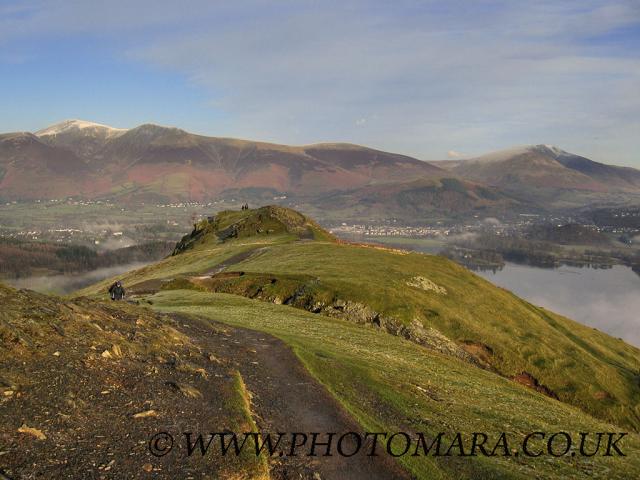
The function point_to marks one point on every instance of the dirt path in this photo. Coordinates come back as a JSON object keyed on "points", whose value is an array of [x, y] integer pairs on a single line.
{"points": [[240, 257], [286, 398]]}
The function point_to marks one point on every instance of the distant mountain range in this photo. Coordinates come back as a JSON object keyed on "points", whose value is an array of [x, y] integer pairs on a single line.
{"points": [[549, 176], [151, 163]]}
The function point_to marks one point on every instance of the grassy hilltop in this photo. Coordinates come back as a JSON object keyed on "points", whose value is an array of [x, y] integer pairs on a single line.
{"points": [[400, 341], [278, 255]]}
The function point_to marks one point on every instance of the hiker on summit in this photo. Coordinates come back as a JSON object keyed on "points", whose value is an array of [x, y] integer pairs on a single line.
{"points": [[116, 291]]}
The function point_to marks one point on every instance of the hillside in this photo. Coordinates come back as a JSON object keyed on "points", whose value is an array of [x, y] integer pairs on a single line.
{"points": [[84, 385], [130, 373], [337, 181], [265, 221], [390, 384], [426, 299], [446, 198], [31, 169], [549, 176], [342, 337]]}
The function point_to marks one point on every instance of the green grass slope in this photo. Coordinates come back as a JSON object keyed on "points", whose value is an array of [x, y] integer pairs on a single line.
{"points": [[391, 384], [581, 365], [428, 299]]}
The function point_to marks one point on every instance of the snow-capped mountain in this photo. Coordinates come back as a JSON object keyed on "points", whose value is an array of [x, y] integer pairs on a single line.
{"points": [[83, 138], [151, 162], [76, 126], [543, 166], [156, 162]]}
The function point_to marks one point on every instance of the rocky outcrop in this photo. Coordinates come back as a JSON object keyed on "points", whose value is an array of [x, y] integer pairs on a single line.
{"points": [[308, 293], [426, 285], [365, 315]]}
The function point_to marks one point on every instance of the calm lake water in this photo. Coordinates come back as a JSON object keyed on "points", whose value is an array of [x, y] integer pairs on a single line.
{"points": [[608, 299]]}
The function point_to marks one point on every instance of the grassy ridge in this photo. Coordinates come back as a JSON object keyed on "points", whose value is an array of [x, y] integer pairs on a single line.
{"points": [[270, 220], [191, 262], [583, 366], [391, 384]]}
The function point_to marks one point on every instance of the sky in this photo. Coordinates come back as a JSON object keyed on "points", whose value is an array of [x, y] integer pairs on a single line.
{"points": [[431, 79]]}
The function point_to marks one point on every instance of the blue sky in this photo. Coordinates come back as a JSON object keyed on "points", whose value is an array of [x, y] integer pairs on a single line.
{"points": [[433, 79]]}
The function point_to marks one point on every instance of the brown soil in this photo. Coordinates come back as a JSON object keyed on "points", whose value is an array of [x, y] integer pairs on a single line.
{"points": [[602, 395], [482, 352], [528, 380], [286, 398]]}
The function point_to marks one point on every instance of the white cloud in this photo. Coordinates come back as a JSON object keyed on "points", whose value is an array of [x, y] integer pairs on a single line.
{"points": [[525, 78], [480, 75]]}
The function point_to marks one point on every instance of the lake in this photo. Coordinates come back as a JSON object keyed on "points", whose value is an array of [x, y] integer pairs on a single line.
{"points": [[608, 299]]}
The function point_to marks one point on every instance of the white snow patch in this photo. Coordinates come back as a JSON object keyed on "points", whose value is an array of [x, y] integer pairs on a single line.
{"points": [[77, 125], [502, 155]]}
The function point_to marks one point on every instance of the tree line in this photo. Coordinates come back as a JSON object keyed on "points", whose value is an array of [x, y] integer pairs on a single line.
{"points": [[20, 259]]}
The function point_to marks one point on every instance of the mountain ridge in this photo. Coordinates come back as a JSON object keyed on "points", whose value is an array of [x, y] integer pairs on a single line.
{"points": [[151, 161], [494, 167], [154, 163]]}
